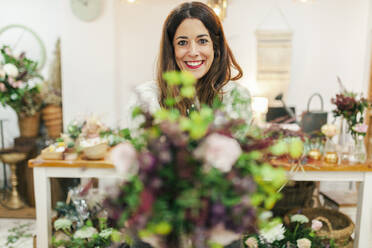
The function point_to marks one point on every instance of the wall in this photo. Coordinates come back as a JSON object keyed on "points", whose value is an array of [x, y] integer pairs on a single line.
{"points": [[329, 39], [88, 64]]}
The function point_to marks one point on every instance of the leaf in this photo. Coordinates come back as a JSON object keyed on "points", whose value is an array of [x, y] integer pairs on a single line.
{"points": [[172, 77]]}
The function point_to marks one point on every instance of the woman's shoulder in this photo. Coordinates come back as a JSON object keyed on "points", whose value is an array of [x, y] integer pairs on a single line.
{"points": [[147, 88], [234, 86]]}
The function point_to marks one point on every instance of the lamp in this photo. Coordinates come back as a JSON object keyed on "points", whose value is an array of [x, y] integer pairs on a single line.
{"points": [[219, 7], [259, 107]]}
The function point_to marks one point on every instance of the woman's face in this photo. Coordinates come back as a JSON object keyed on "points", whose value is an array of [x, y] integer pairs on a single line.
{"points": [[193, 47]]}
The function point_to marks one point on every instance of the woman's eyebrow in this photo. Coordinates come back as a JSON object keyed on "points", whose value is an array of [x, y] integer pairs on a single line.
{"points": [[181, 37], [199, 36]]}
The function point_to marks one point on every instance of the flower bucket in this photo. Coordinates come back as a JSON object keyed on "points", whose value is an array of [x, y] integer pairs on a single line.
{"points": [[29, 125], [52, 116]]}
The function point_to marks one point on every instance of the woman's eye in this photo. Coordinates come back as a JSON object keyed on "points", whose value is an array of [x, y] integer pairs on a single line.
{"points": [[203, 41], [182, 43]]}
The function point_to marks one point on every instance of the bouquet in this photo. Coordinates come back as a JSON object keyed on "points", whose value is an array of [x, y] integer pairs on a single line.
{"points": [[351, 107], [19, 83], [193, 178]]}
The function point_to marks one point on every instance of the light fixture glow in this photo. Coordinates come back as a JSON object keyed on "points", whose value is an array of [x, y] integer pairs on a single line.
{"points": [[219, 7]]}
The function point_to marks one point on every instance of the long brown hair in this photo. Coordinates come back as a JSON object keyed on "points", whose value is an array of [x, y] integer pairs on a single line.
{"points": [[219, 74]]}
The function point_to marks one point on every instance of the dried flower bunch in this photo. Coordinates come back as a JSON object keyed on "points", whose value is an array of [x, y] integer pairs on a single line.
{"points": [[19, 80], [193, 175], [52, 88]]}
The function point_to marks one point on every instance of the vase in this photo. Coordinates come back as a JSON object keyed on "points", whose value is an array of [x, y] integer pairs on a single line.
{"points": [[29, 125], [345, 142], [52, 117], [330, 152], [359, 151]]}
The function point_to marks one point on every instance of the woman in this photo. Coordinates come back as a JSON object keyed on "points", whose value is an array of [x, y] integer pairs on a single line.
{"points": [[193, 40]]}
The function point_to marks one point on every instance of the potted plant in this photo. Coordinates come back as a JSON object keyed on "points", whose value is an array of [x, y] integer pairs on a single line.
{"points": [[19, 89]]}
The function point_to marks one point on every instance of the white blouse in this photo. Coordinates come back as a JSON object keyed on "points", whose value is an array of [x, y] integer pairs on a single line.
{"points": [[147, 95]]}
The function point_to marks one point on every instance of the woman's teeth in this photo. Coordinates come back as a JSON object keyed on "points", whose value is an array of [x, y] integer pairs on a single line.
{"points": [[194, 63]]}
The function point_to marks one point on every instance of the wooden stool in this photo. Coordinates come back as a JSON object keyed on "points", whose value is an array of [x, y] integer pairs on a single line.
{"points": [[13, 201]]}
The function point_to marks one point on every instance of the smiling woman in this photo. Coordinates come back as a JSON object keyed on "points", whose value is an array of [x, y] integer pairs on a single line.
{"points": [[192, 40]]}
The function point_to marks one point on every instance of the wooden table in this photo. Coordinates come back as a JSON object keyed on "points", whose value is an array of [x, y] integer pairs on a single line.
{"points": [[316, 171]]}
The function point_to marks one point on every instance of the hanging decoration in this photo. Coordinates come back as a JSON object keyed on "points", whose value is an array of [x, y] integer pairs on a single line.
{"points": [[274, 51]]}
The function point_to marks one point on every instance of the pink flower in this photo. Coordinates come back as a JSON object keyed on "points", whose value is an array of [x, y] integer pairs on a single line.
{"points": [[2, 87], [124, 157], [316, 225], [360, 128], [16, 84], [219, 151], [251, 242]]}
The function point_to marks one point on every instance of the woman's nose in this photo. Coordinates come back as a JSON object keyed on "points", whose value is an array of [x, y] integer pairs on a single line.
{"points": [[194, 49]]}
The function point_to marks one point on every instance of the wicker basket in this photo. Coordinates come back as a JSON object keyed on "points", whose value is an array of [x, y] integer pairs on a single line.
{"points": [[52, 116], [297, 196], [29, 125], [336, 225]]}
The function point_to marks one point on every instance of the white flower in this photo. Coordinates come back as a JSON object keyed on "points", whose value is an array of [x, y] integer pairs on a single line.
{"points": [[10, 70], [299, 218], [272, 234], [85, 233], [124, 157], [316, 225], [219, 151], [62, 223], [106, 233], [303, 243], [14, 96], [329, 130], [251, 242], [265, 215]]}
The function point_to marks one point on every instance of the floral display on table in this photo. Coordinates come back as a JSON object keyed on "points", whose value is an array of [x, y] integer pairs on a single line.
{"points": [[86, 136], [82, 222], [351, 107], [19, 88], [194, 179], [299, 234]]}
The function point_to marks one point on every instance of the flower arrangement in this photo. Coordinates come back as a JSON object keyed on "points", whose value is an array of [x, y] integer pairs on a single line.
{"points": [[298, 234], [19, 80], [82, 222], [351, 107], [193, 176]]}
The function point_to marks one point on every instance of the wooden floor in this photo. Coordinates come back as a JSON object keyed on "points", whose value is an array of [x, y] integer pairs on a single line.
{"points": [[24, 213]]}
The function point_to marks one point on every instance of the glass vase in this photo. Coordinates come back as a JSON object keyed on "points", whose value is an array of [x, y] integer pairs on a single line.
{"points": [[330, 152], [359, 151], [345, 142]]}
